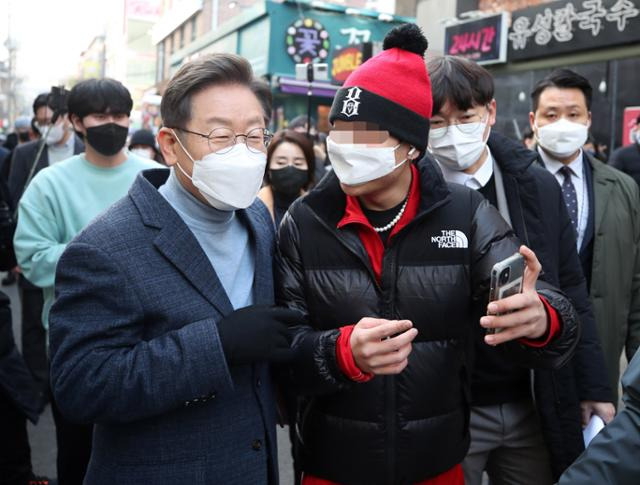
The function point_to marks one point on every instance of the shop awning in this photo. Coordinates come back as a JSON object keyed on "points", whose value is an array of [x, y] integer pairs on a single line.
{"points": [[293, 86]]}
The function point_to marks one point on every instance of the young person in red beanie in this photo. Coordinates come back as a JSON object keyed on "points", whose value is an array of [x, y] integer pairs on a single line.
{"points": [[391, 266]]}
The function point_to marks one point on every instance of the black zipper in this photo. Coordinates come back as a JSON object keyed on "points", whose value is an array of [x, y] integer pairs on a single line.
{"points": [[389, 255], [388, 294]]}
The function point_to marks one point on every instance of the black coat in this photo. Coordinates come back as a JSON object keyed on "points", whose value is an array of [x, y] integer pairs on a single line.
{"points": [[540, 219], [627, 159], [15, 379], [413, 426]]}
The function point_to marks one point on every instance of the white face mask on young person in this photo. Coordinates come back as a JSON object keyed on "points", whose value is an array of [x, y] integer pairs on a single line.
{"points": [[356, 164], [144, 152], [458, 150], [228, 181], [562, 138], [55, 135]]}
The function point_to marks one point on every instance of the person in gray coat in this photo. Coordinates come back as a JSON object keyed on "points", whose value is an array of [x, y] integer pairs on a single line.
{"points": [[164, 325], [612, 456]]}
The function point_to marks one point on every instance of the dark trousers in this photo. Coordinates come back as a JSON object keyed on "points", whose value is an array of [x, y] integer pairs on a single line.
{"points": [[15, 454], [74, 448], [34, 338]]}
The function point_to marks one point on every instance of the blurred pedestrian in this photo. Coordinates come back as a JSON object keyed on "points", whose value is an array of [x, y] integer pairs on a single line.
{"points": [[516, 435], [593, 148], [289, 172], [164, 323], [59, 202], [143, 144], [22, 127], [390, 265], [604, 208], [627, 159]]}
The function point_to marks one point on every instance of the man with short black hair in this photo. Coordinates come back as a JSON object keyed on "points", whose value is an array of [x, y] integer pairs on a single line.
{"points": [[60, 201], [59, 145], [604, 207], [39, 112], [506, 437], [164, 326]]}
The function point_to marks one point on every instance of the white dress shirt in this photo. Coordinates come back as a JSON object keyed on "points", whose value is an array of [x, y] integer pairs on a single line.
{"points": [[579, 183], [474, 181]]}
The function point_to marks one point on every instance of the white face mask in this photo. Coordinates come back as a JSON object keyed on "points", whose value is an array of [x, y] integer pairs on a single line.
{"points": [[356, 164], [457, 150], [562, 138], [228, 181], [144, 152], [56, 133]]}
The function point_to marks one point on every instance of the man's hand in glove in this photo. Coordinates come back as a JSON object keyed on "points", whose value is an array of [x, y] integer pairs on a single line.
{"points": [[257, 333]]}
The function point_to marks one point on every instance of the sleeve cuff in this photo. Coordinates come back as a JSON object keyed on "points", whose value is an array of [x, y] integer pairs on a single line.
{"points": [[345, 358], [552, 329]]}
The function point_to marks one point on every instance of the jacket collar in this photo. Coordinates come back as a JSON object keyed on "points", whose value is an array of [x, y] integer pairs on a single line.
{"points": [[521, 190], [178, 244], [512, 157], [603, 183], [78, 145], [329, 202]]}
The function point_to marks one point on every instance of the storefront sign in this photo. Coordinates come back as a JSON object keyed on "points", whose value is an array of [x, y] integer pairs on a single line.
{"points": [[630, 127], [572, 25], [307, 41], [346, 60], [483, 40]]}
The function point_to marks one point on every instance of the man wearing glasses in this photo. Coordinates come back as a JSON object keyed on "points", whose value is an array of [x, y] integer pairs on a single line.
{"points": [[164, 326]]}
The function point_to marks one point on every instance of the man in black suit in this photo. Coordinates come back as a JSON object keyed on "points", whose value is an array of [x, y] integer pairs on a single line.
{"points": [[517, 436]]}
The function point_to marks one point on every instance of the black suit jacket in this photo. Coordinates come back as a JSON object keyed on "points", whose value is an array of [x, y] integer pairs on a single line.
{"points": [[539, 217], [22, 161]]}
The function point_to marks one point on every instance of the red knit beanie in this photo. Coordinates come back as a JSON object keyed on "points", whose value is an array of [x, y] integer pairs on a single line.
{"points": [[392, 89]]}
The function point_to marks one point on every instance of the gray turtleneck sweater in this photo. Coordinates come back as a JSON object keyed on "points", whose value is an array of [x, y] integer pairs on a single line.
{"points": [[222, 236]]}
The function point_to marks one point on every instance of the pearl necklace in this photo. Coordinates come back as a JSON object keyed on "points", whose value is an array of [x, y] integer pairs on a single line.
{"points": [[395, 220]]}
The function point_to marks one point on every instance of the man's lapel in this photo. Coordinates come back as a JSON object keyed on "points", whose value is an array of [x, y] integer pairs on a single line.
{"points": [[175, 240], [178, 244], [602, 187]]}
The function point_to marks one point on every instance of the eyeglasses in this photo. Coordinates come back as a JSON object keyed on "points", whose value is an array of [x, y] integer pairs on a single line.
{"points": [[467, 125], [222, 140]]}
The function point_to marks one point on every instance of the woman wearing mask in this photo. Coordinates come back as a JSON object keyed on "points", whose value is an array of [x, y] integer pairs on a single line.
{"points": [[289, 173]]}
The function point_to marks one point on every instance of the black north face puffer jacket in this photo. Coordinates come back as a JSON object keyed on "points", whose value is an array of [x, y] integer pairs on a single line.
{"points": [[409, 427]]}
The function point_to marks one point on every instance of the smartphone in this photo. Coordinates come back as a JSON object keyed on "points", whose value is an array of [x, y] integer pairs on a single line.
{"points": [[507, 277]]}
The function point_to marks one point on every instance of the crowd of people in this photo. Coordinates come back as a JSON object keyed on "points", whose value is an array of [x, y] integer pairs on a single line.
{"points": [[184, 293]]}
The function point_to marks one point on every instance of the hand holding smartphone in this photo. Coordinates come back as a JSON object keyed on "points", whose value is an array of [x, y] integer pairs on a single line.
{"points": [[507, 277]]}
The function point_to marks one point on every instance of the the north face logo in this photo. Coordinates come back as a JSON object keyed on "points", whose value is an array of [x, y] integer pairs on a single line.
{"points": [[351, 103], [451, 239]]}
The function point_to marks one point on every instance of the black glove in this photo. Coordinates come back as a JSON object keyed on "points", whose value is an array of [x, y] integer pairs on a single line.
{"points": [[257, 333]]}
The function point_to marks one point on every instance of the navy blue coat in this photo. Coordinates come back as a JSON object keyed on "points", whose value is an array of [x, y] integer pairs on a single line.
{"points": [[135, 350]]}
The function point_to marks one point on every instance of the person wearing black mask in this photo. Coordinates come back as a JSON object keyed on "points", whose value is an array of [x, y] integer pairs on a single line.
{"points": [[289, 172], [60, 201]]}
